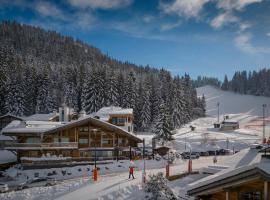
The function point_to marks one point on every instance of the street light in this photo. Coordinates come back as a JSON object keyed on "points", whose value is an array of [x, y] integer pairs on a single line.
{"points": [[264, 106], [218, 111], [95, 169]]}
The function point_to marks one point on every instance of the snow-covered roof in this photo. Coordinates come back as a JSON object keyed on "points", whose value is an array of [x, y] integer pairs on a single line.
{"points": [[36, 127], [41, 117], [10, 115], [245, 160], [105, 112]]}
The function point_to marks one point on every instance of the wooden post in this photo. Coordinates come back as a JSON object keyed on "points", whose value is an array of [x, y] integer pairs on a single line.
{"points": [[89, 144], [227, 195], [265, 192], [101, 138]]}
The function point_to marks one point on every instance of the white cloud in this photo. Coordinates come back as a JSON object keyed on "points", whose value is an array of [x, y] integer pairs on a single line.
{"points": [[268, 34], [100, 4], [243, 42], [186, 8], [49, 10], [235, 4], [244, 26], [148, 18], [170, 26], [223, 19]]}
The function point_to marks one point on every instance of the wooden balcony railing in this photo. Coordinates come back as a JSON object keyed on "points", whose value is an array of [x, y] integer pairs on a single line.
{"points": [[13, 145]]}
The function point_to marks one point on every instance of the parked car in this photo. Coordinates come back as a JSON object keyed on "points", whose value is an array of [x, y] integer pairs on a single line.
{"points": [[3, 187], [225, 152], [204, 153], [37, 182], [192, 155]]}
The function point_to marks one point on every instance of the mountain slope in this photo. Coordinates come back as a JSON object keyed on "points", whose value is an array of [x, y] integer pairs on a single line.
{"points": [[232, 102]]}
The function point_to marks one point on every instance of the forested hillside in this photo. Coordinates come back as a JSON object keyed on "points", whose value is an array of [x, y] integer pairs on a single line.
{"points": [[40, 70], [255, 82], [243, 82]]}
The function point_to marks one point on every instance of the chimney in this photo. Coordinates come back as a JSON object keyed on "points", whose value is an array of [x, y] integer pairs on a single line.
{"points": [[82, 113], [64, 112]]}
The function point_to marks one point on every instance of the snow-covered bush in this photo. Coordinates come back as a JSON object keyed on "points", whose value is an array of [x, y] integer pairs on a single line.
{"points": [[156, 188]]}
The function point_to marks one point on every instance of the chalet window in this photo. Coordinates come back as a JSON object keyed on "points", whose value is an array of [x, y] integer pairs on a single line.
{"points": [[83, 141], [64, 139], [121, 120], [114, 120], [107, 141], [66, 153], [33, 154], [33, 140], [55, 140], [83, 129], [120, 140], [129, 129]]}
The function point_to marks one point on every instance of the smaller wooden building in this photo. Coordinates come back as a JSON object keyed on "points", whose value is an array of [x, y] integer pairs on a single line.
{"points": [[248, 180]]}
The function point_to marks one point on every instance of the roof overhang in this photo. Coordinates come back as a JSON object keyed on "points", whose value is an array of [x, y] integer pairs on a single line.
{"points": [[230, 181], [91, 120]]}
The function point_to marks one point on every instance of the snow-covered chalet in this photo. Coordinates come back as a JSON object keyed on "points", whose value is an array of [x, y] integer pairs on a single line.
{"points": [[108, 134]]}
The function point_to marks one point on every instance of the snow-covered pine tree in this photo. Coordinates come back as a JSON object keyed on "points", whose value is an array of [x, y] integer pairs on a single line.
{"points": [[138, 109], [3, 79], [146, 107], [70, 86], [225, 84], [130, 91], [15, 97], [120, 89], [94, 91], [162, 129], [178, 104], [111, 90], [45, 94], [155, 99], [29, 90], [156, 188]]}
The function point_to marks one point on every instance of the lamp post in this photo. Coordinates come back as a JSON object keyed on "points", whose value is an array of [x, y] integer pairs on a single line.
{"points": [[144, 173], [95, 131], [95, 172], [264, 106], [218, 111]]}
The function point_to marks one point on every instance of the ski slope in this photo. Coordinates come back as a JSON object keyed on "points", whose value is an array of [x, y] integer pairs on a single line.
{"points": [[232, 102]]}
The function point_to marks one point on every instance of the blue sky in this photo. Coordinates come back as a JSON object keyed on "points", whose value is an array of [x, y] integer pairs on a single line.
{"points": [[200, 37]]}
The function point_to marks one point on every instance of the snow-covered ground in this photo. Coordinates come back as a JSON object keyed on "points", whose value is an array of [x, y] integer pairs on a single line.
{"points": [[113, 183], [232, 102]]}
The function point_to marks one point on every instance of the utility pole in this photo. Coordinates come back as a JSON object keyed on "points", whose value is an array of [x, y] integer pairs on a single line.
{"points": [[144, 173], [264, 106], [218, 111]]}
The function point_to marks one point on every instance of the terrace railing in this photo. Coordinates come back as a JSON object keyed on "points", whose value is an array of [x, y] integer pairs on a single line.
{"points": [[14, 145]]}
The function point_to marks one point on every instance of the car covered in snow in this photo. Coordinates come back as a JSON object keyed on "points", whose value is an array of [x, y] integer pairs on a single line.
{"points": [[3, 187], [37, 182]]}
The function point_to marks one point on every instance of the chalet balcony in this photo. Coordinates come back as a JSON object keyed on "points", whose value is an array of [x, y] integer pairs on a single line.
{"points": [[13, 145]]}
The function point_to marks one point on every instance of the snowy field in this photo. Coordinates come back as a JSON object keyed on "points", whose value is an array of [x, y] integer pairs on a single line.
{"points": [[232, 102]]}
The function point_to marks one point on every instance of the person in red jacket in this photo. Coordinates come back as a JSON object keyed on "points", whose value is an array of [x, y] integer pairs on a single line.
{"points": [[131, 172]]}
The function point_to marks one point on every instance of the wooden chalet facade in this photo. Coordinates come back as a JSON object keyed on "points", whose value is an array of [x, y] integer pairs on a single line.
{"points": [[79, 140]]}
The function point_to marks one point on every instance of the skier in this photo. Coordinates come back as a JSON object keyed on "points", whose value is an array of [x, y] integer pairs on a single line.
{"points": [[131, 171]]}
